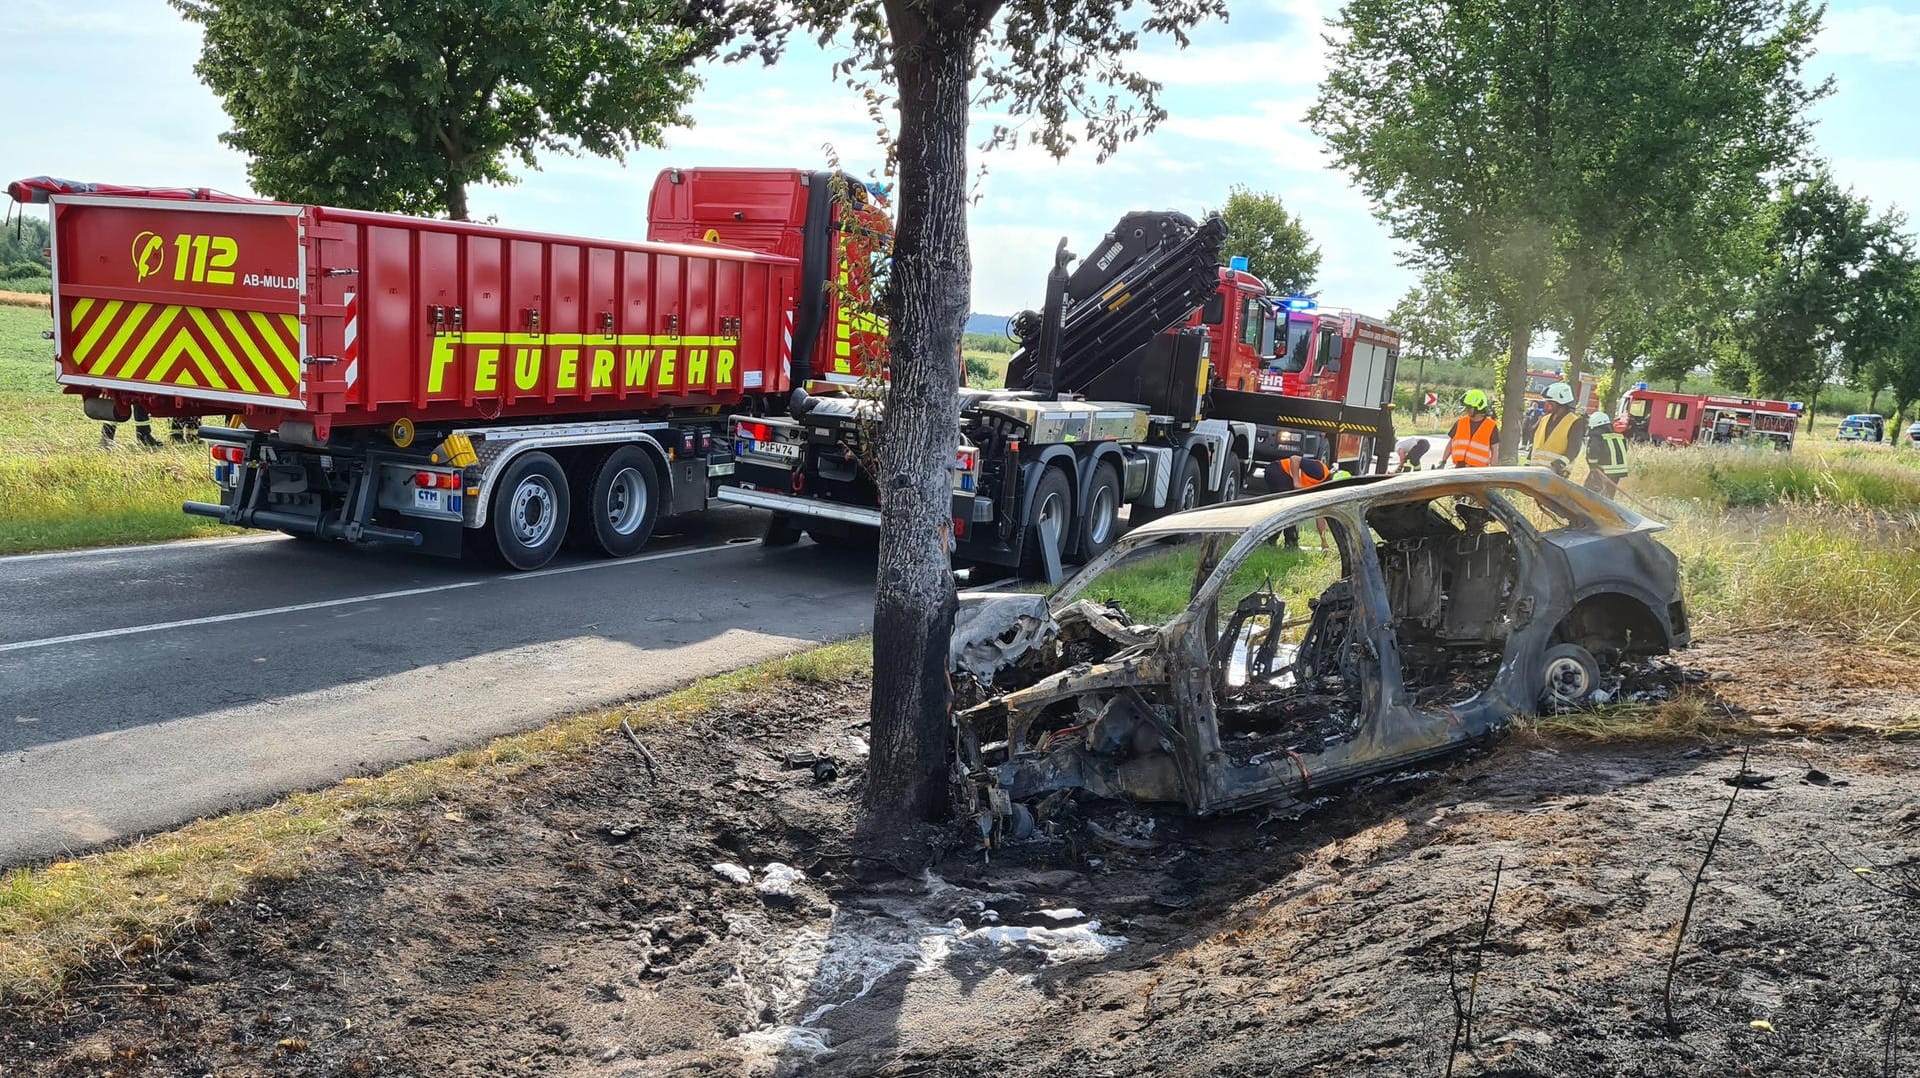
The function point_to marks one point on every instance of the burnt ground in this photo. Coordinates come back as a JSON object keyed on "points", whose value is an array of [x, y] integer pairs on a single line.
{"points": [[573, 922]]}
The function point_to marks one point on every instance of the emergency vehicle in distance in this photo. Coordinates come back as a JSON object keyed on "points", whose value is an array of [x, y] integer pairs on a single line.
{"points": [[1649, 415], [1586, 397]]}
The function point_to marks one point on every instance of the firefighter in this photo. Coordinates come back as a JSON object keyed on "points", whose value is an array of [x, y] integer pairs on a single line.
{"points": [[142, 430], [1295, 472], [1412, 451], [1606, 456], [1554, 441], [1470, 442]]}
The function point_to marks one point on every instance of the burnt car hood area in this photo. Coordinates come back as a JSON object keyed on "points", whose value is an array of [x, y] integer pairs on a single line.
{"points": [[1260, 652]]}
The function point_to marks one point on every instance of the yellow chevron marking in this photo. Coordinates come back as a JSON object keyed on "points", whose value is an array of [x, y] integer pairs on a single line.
{"points": [[239, 335], [80, 308], [227, 359], [277, 343], [84, 350], [132, 322], [184, 345], [147, 340]]}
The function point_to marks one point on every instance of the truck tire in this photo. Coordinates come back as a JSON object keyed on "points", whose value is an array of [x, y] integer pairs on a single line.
{"points": [[1100, 518], [1052, 501], [1229, 490], [620, 499], [530, 510], [1189, 489]]}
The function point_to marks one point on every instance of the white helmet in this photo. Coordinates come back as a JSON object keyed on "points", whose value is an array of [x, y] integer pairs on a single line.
{"points": [[1560, 393], [1598, 420]]}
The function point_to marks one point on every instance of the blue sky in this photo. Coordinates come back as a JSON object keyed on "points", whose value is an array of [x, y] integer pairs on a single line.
{"points": [[104, 90]]}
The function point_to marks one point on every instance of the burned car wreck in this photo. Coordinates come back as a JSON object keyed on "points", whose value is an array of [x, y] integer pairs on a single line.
{"points": [[1259, 652]]}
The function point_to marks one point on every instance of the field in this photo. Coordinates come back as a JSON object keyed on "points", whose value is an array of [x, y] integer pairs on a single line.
{"points": [[60, 490]]}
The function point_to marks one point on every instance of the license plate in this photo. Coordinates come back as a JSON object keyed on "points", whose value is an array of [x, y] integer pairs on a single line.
{"points": [[783, 450], [426, 498]]}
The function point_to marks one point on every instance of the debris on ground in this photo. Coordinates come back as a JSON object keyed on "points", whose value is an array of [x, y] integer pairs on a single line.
{"points": [[1319, 939]]}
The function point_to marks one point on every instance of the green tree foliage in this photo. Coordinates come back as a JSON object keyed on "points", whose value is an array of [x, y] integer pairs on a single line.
{"points": [[1826, 297], [1434, 322], [401, 104], [1533, 149], [23, 247], [1059, 69], [1276, 244]]}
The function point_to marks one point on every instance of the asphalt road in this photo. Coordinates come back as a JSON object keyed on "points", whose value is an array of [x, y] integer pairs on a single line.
{"points": [[143, 687]]}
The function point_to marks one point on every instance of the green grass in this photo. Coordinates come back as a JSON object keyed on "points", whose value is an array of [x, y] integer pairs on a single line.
{"points": [[1870, 478], [128, 902], [60, 489], [1159, 585]]}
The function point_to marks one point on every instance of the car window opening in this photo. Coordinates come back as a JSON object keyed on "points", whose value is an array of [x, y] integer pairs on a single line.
{"points": [[1451, 573]]}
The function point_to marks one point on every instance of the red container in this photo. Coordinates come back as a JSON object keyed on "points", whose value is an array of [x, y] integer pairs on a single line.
{"points": [[345, 318]]}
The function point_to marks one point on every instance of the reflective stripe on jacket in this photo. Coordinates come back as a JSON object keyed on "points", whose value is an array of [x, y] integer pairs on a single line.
{"points": [[1554, 444], [1473, 442], [1607, 451]]}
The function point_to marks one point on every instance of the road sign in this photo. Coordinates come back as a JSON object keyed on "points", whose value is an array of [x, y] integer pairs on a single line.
{"points": [[1430, 400]]}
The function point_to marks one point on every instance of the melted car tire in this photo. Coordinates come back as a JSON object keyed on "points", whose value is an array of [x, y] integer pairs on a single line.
{"points": [[1568, 675]]}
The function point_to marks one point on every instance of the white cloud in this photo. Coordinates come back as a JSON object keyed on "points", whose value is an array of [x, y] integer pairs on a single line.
{"points": [[1876, 33], [1885, 181]]}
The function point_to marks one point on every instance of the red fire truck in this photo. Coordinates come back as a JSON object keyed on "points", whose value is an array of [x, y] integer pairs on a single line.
{"points": [[1650, 415], [1286, 347], [445, 384]]}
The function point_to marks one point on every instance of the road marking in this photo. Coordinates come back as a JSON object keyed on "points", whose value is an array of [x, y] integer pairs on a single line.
{"points": [[138, 548], [323, 604]]}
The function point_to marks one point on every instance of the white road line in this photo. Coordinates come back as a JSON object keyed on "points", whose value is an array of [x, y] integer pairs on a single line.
{"points": [[295, 608], [138, 548]]}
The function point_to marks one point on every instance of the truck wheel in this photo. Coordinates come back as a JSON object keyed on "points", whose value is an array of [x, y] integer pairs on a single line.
{"points": [[1100, 522], [529, 512], [1052, 507], [622, 502], [781, 531], [1229, 480], [1187, 491]]}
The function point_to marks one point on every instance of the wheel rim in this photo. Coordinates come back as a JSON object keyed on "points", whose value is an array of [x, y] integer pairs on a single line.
{"points": [[1053, 510], [1100, 522], [626, 501], [535, 504], [1230, 486], [1567, 680], [1190, 493]]}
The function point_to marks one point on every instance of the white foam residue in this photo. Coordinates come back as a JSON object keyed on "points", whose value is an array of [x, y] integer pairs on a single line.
{"points": [[1066, 914], [736, 873], [781, 1044], [1053, 944], [778, 879]]}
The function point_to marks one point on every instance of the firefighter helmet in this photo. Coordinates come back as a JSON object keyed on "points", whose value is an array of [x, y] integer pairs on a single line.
{"points": [[1474, 399], [1560, 393], [1598, 420]]}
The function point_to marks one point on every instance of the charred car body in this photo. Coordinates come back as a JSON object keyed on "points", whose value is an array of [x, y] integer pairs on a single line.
{"points": [[1207, 660]]}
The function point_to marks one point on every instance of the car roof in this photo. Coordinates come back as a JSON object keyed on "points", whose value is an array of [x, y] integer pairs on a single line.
{"points": [[1254, 512]]}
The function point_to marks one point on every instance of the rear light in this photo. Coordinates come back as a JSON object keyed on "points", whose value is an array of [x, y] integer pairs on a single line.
{"points": [[759, 432], [437, 480], [959, 527], [231, 454]]}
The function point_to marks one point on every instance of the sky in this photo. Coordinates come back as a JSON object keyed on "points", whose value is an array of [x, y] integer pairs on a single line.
{"points": [[104, 90]]}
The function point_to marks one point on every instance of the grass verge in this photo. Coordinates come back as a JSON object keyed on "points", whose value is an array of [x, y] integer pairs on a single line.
{"points": [[130, 901], [1695, 715]]}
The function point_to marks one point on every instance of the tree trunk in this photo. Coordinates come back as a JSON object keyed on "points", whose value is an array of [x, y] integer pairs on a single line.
{"points": [[1873, 402], [1579, 337], [456, 198], [1513, 402], [1622, 365], [914, 593]]}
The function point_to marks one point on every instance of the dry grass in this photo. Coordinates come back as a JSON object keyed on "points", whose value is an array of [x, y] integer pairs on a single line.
{"points": [[125, 902], [37, 300]]}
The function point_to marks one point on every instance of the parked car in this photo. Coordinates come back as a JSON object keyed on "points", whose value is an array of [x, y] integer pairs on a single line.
{"points": [[1913, 433], [1206, 660], [1863, 428]]}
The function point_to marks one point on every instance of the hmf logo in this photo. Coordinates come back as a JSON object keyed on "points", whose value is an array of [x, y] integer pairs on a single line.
{"points": [[201, 259]]}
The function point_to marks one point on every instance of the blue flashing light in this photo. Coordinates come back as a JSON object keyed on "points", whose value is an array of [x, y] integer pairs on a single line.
{"points": [[1795, 406], [1639, 385], [1298, 302], [1238, 262]]}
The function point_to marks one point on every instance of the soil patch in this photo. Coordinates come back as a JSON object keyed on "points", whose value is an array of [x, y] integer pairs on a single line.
{"points": [[590, 918]]}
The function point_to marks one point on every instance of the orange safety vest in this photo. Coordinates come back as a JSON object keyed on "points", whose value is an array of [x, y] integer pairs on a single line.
{"points": [[1473, 443], [1302, 481]]}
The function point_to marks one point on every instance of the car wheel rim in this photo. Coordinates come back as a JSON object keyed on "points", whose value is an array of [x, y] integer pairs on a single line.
{"points": [[534, 503], [1567, 680], [626, 501], [1100, 523]]}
